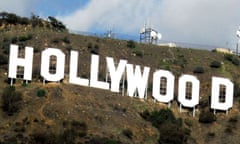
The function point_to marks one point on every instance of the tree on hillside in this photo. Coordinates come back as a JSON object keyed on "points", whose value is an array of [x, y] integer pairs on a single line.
{"points": [[36, 21], [9, 18], [56, 24]]}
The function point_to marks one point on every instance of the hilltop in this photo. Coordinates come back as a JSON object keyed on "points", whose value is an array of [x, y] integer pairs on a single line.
{"points": [[58, 112]]}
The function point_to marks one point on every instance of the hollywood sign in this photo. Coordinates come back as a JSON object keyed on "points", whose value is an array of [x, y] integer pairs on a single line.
{"points": [[137, 80]]}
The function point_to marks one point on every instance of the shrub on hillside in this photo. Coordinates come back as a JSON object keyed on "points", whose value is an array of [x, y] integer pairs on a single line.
{"points": [[103, 140], [236, 89], [14, 40], [236, 61], [233, 59], [131, 44], [170, 128], [89, 45], [11, 100], [55, 40], [199, 70], [66, 40], [57, 25], [43, 138], [173, 134], [3, 59], [207, 117], [41, 93], [25, 37], [128, 133], [138, 53], [93, 50], [5, 47], [73, 130], [215, 64]]}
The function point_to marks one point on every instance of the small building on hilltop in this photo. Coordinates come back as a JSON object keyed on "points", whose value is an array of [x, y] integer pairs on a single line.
{"points": [[224, 50]]}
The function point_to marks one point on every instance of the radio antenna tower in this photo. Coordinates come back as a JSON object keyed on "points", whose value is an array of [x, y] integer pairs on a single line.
{"points": [[149, 35], [238, 35], [109, 33]]}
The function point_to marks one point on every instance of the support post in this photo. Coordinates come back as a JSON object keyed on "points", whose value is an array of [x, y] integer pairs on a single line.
{"points": [[11, 82], [180, 109], [194, 111]]}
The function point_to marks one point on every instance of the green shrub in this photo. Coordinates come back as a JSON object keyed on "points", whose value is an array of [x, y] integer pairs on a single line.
{"points": [[138, 53], [235, 60], [233, 119], [25, 37], [3, 59], [103, 140], [173, 134], [41, 93], [11, 100], [56, 24], [14, 40], [228, 57], [131, 44], [66, 40], [55, 40], [211, 134], [215, 64], [236, 89], [79, 127], [159, 117], [198, 70], [128, 133], [93, 50], [89, 45], [43, 138], [188, 122], [207, 117], [72, 130], [96, 46], [5, 47], [171, 129]]}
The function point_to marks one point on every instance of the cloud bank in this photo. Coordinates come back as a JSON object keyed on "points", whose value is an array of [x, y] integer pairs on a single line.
{"points": [[200, 21], [211, 22], [20, 7]]}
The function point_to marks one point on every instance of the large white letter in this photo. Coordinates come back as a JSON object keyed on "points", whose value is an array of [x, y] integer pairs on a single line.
{"points": [[194, 100], [94, 74], [74, 70], [137, 81], [115, 73], [168, 96], [26, 62], [228, 94], [45, 64]]}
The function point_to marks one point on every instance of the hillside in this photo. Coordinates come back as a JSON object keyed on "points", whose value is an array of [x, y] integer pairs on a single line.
{"points": [[63, 112]]}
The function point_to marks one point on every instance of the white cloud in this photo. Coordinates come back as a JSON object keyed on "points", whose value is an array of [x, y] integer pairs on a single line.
{"points": [[200, 21], [19, 7]]}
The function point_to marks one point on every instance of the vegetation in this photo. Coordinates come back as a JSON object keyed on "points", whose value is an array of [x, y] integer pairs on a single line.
{"points": [[170, 128], [3, 59], [207, 117], [138, 53], [215, 64], [199, 70], [11, 100], [34, 21], [128, 133], [233, 59], [103, 140], [41, 93], [131, 44]]}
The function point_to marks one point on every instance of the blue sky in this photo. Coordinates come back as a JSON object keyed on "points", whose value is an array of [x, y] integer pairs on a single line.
{"points": [[206, 22], [58, 7]]}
